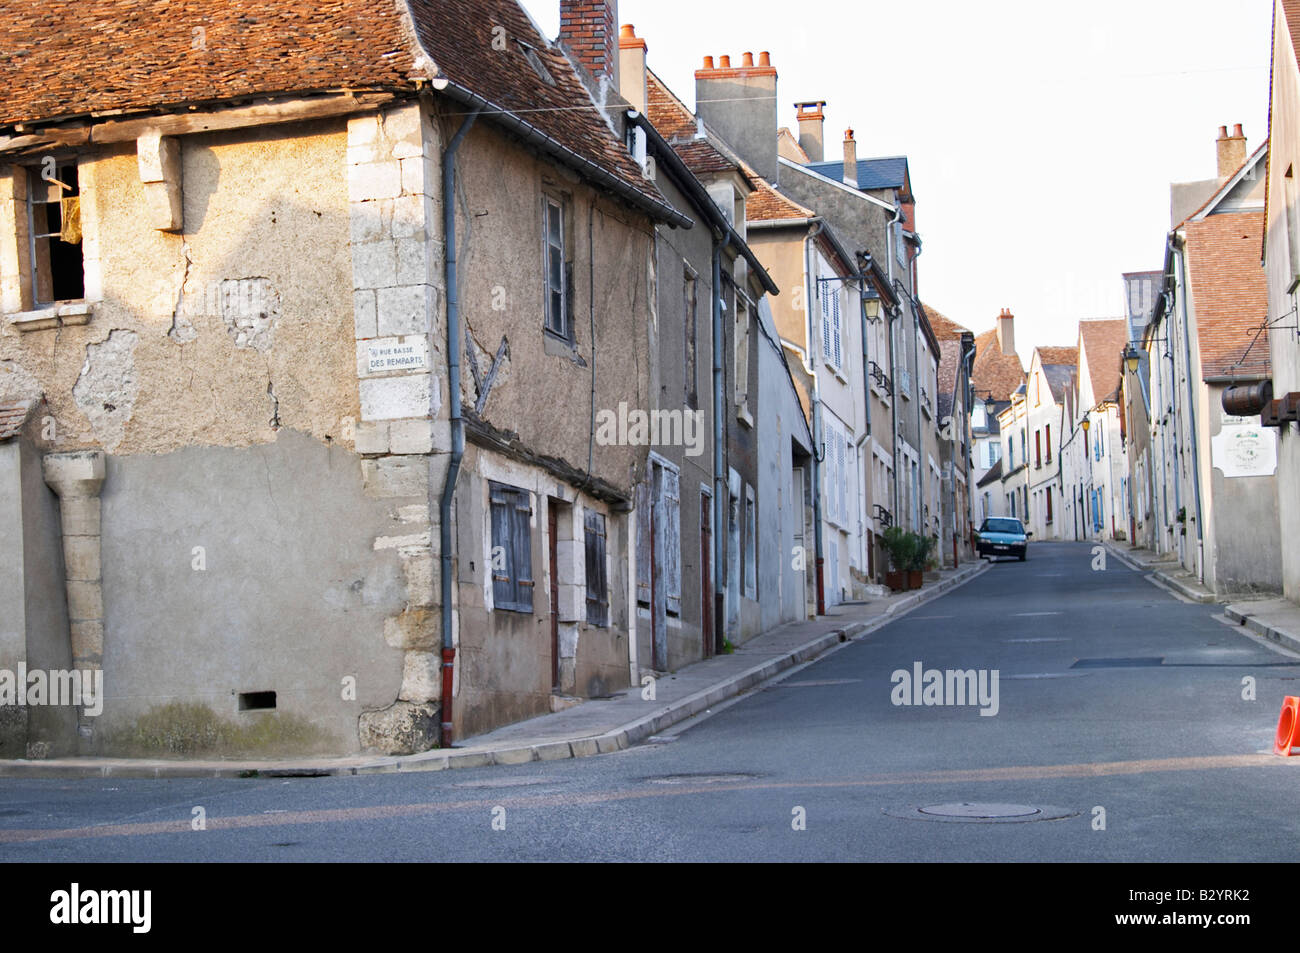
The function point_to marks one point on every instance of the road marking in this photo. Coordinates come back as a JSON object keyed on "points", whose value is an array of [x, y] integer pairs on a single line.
{"points": [[392, 811], [1023, 615], [1013, 641]]}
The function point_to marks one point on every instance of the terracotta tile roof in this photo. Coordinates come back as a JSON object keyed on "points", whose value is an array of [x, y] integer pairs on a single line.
{"points": [[703, 159], [67, 58], [459, 35], [667, 113], [949, 364], [13, 414], [993, 370], [1229, 293], [1103, 341], [1058, 355], [944, 327], [1292, 10], [766, 204]]}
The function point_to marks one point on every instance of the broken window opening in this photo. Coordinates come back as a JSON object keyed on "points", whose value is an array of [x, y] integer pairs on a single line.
{"points": [[54, 225]]}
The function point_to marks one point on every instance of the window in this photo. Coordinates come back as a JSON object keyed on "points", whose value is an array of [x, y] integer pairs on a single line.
{"points": [[559, 273], [995, 452], [742, 353], [54, 224], [690, 301], [831, 327], [512, 553], [1038, 449], [899, 251], [751, 544], [1049, 504], [597, 581], [1049, 443]]}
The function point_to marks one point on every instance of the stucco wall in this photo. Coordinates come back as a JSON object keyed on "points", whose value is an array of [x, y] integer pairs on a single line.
{"points": [[1284, 345]]}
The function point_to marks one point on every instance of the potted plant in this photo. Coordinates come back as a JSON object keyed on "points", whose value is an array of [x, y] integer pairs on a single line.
{"points": [[922, 547], [900, 545]]}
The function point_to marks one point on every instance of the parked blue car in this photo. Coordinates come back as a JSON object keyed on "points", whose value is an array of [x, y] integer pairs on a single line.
{"points": [[1002, 536]]}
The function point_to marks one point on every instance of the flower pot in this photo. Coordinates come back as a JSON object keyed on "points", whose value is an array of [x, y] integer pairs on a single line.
{"points": [[915, 578], [896, 581]]}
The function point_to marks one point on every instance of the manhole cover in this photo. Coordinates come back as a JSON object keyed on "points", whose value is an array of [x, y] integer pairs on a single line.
{"points": [[502, 783], [972, 812], [701, 778], [983, 812]]}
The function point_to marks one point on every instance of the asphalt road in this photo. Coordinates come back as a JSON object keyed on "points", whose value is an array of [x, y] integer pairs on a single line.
{"points": [[1118, 707]]}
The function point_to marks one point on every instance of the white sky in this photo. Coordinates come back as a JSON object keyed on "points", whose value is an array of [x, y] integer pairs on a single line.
{"points": [[1041, 138]]}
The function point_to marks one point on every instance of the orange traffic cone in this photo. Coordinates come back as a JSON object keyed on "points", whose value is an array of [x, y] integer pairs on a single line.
{"points": [[1288, 727]]}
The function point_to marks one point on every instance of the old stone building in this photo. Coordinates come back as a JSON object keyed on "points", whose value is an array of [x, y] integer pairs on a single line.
{"points": [[251, 350]]}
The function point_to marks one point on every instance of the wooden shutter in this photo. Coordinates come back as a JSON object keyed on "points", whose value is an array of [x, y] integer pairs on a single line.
{"points": [[644, 543], [826, 321], [672, 541], [522, 552], [835, 317], [503, 584], [597, 584]]}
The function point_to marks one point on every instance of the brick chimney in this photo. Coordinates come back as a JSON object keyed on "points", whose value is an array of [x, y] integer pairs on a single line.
{"points": [[1231, 150], [589, 29], [811, 118], [739, 103], [631, 67], [850, 159], [1007, 331]]}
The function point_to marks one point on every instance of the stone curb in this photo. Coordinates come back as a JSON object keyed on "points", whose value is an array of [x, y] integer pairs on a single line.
{"points": [[616, 739], [1165, 579], [1288, 640]]}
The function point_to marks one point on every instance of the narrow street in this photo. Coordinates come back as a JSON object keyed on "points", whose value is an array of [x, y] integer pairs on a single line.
{"points": [[1117, 706]]}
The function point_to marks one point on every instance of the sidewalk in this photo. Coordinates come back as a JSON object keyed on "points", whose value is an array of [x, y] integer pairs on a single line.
{"points": [[1275, 619], [594, 727], [1166, 569]]}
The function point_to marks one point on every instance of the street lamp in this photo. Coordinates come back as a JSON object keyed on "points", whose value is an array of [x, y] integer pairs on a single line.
{"points": [[1085, 424], [871, 307], [1132, 358]]}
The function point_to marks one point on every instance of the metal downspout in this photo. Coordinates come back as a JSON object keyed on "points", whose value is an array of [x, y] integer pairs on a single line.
{"points": [[721, 488], [457, 421]]}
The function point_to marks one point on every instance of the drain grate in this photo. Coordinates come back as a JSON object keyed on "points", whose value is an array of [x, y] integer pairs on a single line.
{"points": [[1150, 661], [976, 812]]}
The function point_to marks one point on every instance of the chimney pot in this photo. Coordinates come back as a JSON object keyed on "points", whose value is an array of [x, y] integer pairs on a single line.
{"points": [[708, 62], [726, 62], [811, 119], [747, 60], [627, 32], [765, 58], [1231, 151]]}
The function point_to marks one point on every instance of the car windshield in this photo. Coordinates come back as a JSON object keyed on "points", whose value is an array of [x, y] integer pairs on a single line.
{"points": [[1002, 526]]}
